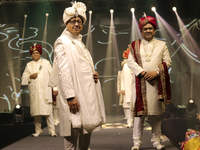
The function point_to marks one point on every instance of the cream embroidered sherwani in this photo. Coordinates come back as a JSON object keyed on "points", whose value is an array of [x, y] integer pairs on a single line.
{"points": [[119, 88], [155, 108], [126, 83], [75, 77], [40, 93], [160, 54]]}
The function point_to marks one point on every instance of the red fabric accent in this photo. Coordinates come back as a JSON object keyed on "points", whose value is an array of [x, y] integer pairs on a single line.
{"points": [[53, 97], [167, 83], [148, 19], [36, 48], [139, 100]]}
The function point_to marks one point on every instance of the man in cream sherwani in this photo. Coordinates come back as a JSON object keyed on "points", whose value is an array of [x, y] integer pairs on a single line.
{"points": [[36, 76], [149, 60], [126, 83], [81, 104]]}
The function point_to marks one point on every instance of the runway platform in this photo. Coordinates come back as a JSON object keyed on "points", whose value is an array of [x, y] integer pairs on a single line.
{"points": [[114, 136]]}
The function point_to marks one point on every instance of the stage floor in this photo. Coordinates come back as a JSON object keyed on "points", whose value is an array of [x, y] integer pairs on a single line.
{"points": [[114, 136]]}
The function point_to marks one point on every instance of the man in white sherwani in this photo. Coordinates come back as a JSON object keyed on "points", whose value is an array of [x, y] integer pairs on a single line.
{"points": [[81, 104], [126, 84], [149, 60], [119, 92], [53, 82], [36, 76]]}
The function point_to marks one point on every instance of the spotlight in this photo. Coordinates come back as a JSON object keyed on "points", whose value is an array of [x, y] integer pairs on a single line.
{"points": [[111, 6], [153, 9], [132, 10], [132, 6], [174, 6], [174, 9], [191, 101], [90, 12], [18, 113], [47, 14], [90, 8], [18, 109], [111, 11]]}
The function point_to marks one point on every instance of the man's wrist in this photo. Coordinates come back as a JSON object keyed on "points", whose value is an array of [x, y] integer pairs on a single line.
{"points": [[71, 98], [158, 73]]}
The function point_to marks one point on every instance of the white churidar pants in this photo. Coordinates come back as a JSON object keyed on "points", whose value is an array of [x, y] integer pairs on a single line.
{"points": [[128, 115], [138, 129], [49, 120]]}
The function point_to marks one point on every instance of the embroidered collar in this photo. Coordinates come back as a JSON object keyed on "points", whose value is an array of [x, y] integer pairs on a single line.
{"points": [[147, 42]]}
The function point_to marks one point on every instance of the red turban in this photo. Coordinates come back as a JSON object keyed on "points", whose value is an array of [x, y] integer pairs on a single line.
{"points": [[147, 19], [36, 48]]}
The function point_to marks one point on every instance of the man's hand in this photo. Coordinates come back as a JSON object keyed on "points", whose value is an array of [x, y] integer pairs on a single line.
{"points": [[150, 76], [123, 92], [33, 76], [96, 76], [118, 93], [73, 106], [55, 93]]}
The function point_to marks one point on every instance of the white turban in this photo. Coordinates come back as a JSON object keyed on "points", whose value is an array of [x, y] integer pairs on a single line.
{"points": [[77, 9]]}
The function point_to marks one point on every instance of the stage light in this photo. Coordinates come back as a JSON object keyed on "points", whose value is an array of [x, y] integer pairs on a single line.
{"points": [[18, 106], [90, 12], [132, 6], [111, 6], [153, 9], [191, 101], [132, 9], [47, 14], [111, 11], [18, 109], [18, 113], [174, 6]]}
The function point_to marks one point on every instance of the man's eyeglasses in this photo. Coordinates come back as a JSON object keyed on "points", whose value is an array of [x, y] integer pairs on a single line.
{"points": [[73, 22]]}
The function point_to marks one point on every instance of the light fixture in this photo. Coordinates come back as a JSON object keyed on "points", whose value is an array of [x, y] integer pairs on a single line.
{"points": [[111, 11], [90, 12], [132, 10], [174, 6], [153, 5], [153, 9], [18, 113], [47, 14], [132, 6], [111, 7]]}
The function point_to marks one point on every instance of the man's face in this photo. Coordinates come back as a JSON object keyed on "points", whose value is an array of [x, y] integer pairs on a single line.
{"points": [[36, 55], [75, 26], [148, 32]]}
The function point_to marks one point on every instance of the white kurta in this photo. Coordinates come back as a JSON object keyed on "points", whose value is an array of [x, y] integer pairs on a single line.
{"points": [[119, 88], [160, 54], [126, 83], [40, 93], [75, 75]]}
